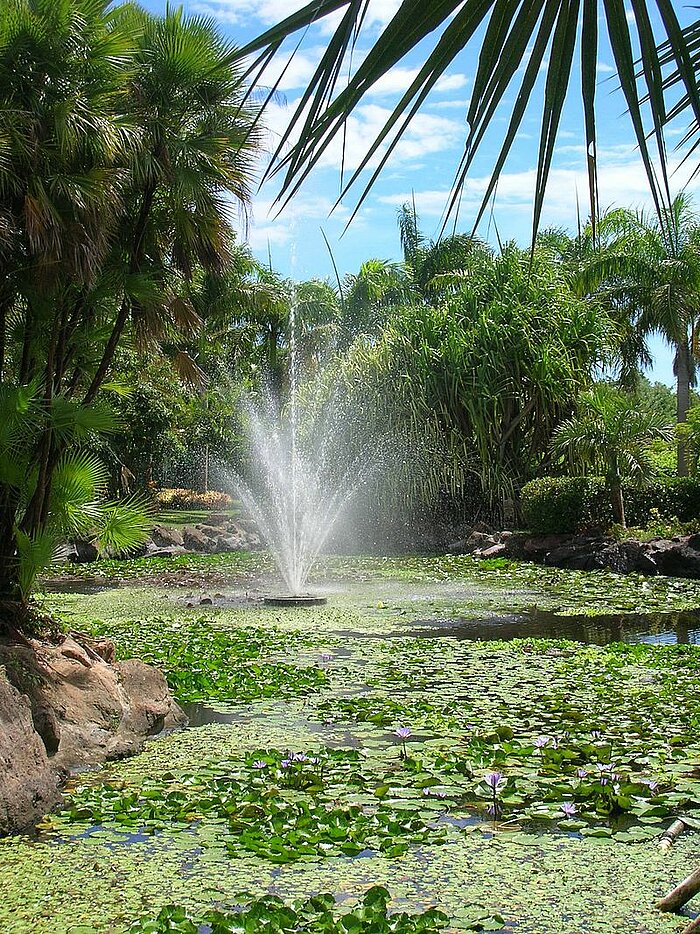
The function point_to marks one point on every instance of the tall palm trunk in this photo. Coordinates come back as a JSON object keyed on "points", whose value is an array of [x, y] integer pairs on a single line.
{"points": [[682, 398], [618, 502]]}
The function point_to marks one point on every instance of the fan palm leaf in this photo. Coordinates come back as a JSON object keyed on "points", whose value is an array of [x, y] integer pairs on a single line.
{"points": [[518, 35]]}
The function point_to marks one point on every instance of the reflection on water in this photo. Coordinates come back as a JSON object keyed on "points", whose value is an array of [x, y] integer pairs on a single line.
{"points": [[653, 628]]}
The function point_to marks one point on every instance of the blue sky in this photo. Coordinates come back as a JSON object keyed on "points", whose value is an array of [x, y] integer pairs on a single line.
{"points": [[424, 163]]}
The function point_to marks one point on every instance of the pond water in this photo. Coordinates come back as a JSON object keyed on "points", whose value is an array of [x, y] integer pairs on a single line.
{"points": [[532, 785], [678, 628]]}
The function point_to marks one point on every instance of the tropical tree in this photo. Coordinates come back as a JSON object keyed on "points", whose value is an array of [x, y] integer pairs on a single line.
{"points": [[517, 38], [121, 136], [648, 271], [483, 378], [611, 434]]}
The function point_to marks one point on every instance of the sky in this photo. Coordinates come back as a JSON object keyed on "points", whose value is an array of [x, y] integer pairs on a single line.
{"points": [[423, 166]]}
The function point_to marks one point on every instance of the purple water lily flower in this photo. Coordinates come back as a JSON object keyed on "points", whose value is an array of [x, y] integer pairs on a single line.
{"points": [[651, 784], [259, 764], [493, 779], [299, 757], [403, 732], [568, 808], [582, 773], [542, 741], [326, 657], [285, 763], [429, 792], [596, 734]]}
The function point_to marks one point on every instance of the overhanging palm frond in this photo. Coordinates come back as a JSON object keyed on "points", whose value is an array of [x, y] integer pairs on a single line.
{"points": [[124, 525], [519, 36]]}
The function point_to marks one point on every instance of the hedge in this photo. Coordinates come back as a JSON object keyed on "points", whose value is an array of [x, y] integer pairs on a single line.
{"points": [[558, 505], [191, 499]]}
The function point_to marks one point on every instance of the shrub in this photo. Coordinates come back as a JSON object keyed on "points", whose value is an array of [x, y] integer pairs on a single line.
{"points": [[559, 505], [191, 499]]}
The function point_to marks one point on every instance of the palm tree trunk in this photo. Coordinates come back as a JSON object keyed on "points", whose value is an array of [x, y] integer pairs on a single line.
{"points": [[682, 399], [618, 503]]}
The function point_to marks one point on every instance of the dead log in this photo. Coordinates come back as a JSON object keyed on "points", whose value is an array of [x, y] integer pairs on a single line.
{"points": [[693, 927], [668, 837], [682, 893]]}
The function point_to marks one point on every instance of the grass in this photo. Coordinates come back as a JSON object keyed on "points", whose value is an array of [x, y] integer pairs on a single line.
{"points": [[178, 518]]}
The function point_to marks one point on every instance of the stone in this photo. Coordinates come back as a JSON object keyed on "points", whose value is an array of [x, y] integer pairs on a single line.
{"points": [[28, 783], [195, 539], [82, 710], [83, 552], [150, 707], [499, 550], [676, 559], [164, 537], [170, 552]]}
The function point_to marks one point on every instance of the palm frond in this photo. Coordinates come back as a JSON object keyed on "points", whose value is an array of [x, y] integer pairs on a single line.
{"points": [[518, 36]]}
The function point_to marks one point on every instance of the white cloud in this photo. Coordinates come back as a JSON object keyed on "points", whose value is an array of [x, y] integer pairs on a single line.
{"points": [[425, 135], [399, 79], [622, 183], [269, 12], [265, 227]]}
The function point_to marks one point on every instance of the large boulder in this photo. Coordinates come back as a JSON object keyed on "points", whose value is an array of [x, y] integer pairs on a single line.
{"points": [[28, 783], [675, 558], [195, 539], [165, 537], [75, 711]]}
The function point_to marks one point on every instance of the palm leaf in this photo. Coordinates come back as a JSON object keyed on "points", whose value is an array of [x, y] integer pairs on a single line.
{"points": [[124, 525], [510, 25]]}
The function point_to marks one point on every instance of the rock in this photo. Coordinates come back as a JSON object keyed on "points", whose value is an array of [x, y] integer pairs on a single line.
{"points": [[206, 601], [151, 708], [165, 537], [543, 544], [676, 559], [28, 784], [493, 551], [170, 552], [48, 727], [83, 551], [84, 710], [195, 539], [230, 543]]}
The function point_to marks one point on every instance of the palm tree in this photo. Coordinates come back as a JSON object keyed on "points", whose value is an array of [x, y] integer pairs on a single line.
{"points": [[517, 38], [648, 269], [123, 137], [610, 433]]}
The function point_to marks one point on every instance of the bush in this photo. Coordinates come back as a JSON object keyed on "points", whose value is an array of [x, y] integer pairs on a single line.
{"points": [[559, 505], [191, 499]]}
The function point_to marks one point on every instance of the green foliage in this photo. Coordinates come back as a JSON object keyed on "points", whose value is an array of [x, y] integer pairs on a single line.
{"points": [[124, 135], [558, 505], [477, 384], [316, 915], [201, 661]]}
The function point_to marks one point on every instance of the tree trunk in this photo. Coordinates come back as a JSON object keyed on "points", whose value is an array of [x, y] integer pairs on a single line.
{"points": [[11, 602], [618, 503], [682, 399]]}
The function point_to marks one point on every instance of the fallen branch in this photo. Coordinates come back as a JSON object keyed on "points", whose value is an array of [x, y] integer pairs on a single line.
{"points": [[669, 835], [681, 894], [693, 927]]}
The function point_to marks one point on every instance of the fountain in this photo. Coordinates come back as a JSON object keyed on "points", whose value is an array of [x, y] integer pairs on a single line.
{"points": [[295, 497]]}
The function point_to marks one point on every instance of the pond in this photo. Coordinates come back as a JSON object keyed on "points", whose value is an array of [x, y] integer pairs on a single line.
{"points": [[501, 742]]}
